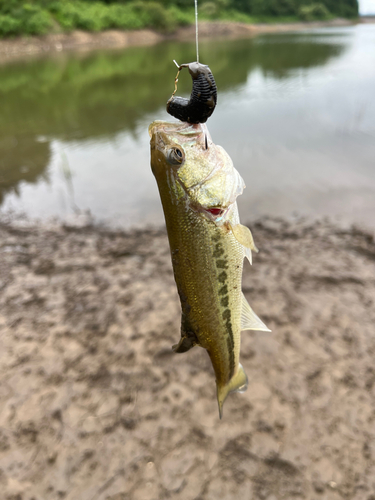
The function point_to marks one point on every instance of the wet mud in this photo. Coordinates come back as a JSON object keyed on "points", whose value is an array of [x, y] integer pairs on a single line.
{"points": [[94, 405]]}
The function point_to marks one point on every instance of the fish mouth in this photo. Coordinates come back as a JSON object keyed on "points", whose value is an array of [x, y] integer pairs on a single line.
{"points": [[155, 125], [215, 214], [215, 211], [161, 126], [187, 132], [158, 135]]}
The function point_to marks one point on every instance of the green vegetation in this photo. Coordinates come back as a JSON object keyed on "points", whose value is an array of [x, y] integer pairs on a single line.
{"points": [[38, 17], [23, 18], [313, 12]]}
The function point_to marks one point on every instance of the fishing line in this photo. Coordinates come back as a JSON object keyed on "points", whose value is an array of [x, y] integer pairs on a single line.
{"points": [[203, 96], [196, 28]]}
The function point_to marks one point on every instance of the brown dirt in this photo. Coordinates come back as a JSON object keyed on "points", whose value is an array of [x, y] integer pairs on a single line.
{"points": [[95, 406], [22, 47]]}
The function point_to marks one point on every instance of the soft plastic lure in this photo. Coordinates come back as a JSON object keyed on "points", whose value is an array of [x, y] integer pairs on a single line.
{"points": [[203, 96]]}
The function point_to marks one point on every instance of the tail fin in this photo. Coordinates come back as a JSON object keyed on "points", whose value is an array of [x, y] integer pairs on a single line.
{"points": [[238, 383]]}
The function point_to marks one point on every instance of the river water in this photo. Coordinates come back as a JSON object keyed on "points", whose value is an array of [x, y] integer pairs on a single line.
{"points": [[296, 113]]}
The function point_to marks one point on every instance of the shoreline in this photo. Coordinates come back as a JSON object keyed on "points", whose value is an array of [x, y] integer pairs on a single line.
{"points": [[23, 47], [91, 388]]}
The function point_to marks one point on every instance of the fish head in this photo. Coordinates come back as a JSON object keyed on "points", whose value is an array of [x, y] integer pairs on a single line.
{"points": [[185, 161]]}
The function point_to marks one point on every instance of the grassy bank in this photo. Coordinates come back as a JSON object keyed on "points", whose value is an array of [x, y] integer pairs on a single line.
{"points": [[39, 17]]}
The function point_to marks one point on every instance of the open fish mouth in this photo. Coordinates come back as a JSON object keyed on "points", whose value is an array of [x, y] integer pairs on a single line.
{"points": [[215, 214]]}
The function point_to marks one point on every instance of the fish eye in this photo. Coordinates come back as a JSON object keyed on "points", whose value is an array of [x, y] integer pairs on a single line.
{"points": [[175, 156]]}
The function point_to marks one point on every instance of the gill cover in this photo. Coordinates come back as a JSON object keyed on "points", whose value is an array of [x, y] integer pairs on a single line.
{"points": [[207, 174]]}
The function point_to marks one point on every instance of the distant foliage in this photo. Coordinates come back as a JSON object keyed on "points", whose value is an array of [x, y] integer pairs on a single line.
{"points": [[96, 16], [284, 8], [313, 12], [210, 9], [23, 18], [155, 15], [273, 7], [37, 17], [181, 17]]}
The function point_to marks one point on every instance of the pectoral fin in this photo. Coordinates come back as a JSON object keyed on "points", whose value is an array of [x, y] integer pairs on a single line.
{"points": [[243, 235], [249, 320]]}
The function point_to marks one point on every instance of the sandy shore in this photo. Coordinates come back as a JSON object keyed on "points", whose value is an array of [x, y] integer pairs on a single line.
{"points": [[95, 406], [79, 40]]}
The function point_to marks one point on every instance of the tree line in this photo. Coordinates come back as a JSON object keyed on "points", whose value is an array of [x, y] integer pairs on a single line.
{"points": [[36, 17]]}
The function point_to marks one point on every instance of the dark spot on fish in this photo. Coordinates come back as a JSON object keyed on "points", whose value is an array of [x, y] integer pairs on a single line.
{"points": [[231, 356], [224, 301], [226, 314], [222, 277], [219, 250], [216, 237], [230, 340], [229, 344], [222, 264]]}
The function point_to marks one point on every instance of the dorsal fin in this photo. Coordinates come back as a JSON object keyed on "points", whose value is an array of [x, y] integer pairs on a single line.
{"points": [[249, 320], [243, 235]]}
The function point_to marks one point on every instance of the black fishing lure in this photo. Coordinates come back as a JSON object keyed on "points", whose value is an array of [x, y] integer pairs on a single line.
{"points": [[203, 96]]}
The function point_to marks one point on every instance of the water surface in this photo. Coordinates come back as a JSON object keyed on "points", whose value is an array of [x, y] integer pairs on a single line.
{"points": [[295, 112]]}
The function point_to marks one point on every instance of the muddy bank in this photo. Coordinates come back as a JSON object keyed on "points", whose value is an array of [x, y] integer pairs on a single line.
{"points": [[95, 406], [80, 40]]}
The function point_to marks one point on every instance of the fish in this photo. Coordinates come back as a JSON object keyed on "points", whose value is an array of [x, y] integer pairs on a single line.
{"points": [[198, 187]]}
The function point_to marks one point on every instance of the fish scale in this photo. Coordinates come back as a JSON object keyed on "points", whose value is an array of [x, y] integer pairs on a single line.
{"points": [[200, 277]]}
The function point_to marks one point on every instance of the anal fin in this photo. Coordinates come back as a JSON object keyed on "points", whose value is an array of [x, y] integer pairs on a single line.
{"points": [[249, 320]]}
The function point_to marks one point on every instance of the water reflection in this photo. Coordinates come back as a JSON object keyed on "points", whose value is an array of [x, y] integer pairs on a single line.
{"points": [[88, 115], [22, 158], [98, 95]]}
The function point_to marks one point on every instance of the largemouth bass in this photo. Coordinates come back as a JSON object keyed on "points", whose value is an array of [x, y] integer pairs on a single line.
{"points": [[198, 186]]}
